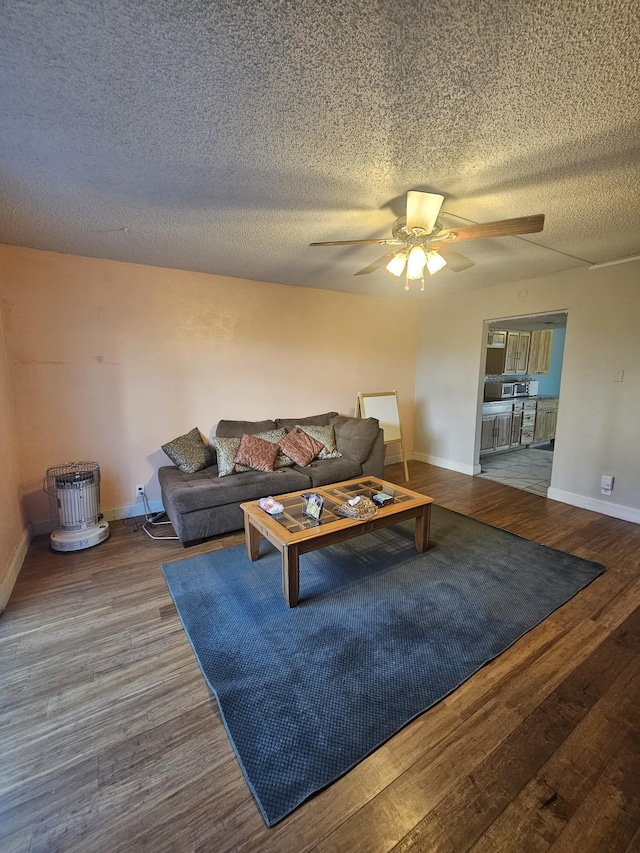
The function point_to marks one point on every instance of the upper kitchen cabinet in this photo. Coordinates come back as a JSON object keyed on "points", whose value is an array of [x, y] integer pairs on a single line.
{"points": [[510, 352], [511, 357], [540, 351]]}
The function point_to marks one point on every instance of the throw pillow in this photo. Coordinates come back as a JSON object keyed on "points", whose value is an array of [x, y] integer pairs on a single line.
{"points": [[189, 452], [355, 436], [325, 435], [275, 436], [256, 453], [226, 449], [302, 448]]}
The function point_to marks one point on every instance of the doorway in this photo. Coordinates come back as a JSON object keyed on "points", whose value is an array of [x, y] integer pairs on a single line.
{"points": [[517, 434]]}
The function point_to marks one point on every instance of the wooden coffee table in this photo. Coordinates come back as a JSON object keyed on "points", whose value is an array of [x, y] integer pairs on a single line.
{"points": [[294, 534]]}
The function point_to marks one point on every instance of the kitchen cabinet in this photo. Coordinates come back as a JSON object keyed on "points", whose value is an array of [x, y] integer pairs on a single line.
{"points": [[546, 419], [507, 425], [540, 351], [516, 425], [528, 421], [496, 431], [512, 358], [497, 339], [517, 352]]}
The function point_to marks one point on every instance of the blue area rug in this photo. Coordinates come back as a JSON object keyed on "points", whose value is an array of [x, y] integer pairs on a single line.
{"points": [[381, 633]]}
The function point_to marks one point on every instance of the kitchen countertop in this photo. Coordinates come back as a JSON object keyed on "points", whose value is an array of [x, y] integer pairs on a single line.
{"points": [[510, 400]]}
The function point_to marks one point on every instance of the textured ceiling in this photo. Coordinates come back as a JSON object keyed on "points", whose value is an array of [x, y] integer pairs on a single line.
{"points": [[226, 136]]}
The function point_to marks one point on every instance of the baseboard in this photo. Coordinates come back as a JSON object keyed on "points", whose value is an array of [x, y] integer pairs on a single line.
{"points": [[113, 514], [132, 510], [393, 458], [626, 513], [449, 464], [13, 569]]}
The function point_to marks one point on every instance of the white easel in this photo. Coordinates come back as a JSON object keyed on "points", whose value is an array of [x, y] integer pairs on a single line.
{"points": [[383, 405]]}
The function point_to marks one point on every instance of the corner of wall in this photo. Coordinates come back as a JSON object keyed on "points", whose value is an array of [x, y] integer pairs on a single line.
{"points": [[13, 569]]}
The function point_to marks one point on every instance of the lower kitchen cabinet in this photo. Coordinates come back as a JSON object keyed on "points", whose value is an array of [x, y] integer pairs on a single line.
{"points": [[528, 421], [496, 427], [546, 420], [517, 423]]}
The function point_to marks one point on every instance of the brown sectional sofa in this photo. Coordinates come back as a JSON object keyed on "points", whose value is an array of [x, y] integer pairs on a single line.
{"points": [[204, 504]]}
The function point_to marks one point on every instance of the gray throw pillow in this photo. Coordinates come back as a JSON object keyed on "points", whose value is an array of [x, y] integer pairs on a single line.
{"points": [[189, 452], [355, 436]]}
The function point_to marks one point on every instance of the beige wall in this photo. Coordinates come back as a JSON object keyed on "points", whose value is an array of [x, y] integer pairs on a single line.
{"points": [[598, 419], [110, 360], [13, 533]]}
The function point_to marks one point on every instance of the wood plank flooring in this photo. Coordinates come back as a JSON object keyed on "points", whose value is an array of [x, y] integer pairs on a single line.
{"points": [[110, 741]]}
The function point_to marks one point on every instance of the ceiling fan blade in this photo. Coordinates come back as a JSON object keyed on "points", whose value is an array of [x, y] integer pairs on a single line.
{"points": [[455, 261], [359, 242], [501, 228], [381, 262], [423, 210]]}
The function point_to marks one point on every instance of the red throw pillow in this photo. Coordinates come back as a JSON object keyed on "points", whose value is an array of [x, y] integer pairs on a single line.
{"points": [[257, 453], [300, 446]]}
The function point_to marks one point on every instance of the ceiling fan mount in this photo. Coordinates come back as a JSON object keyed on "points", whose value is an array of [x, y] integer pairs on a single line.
{"points": [[422, 244]]}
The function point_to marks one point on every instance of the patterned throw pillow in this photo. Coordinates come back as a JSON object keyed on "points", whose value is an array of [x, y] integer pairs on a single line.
{"points": [[189, 452], [226, 449], [302, 448], [276, 436], [256, 453], [325, 435]]}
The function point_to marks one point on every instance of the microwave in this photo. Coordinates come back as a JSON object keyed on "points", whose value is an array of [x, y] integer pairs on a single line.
{"points": [[499, 390], [506, 390]]}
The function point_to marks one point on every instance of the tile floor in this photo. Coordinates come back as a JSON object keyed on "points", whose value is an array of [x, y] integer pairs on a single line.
{"points": [[528, 469]]}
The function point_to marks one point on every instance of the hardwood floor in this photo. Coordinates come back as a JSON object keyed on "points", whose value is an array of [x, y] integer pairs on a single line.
{"points": [[109, 739]]}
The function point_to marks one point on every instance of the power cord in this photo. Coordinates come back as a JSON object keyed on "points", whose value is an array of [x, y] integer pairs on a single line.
{"points": [[151, 520]]}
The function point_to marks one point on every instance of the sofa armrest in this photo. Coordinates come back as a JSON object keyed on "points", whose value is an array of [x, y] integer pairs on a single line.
{"points": [[374, 463]]}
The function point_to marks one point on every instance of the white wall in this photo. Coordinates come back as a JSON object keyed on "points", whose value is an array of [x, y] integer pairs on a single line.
{"points": [[598, 420]]}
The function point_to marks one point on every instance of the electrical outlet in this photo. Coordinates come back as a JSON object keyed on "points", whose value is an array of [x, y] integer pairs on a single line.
{"points": [[139, 491], [606, 484]]}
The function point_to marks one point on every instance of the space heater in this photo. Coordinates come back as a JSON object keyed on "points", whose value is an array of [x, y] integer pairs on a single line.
{"points": [[74, 501]]}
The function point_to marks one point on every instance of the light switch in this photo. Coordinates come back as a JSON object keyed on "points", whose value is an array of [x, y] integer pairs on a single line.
{"points": [[618, 375]]}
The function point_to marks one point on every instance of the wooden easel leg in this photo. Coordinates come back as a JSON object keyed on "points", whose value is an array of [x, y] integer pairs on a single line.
{"points": [[406, 469]]}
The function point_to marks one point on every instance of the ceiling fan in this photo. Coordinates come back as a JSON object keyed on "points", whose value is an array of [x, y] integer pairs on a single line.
{"points": [[421, 243]]}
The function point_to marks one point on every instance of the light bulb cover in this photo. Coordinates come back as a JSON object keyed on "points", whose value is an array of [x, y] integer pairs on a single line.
{"points": [[397, 263], [435, 262], [416, 263]]}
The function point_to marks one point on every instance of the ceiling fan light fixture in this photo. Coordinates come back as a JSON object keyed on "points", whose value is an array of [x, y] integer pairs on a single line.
{"points": [[416, 263], [435, 262], [397, 263]]}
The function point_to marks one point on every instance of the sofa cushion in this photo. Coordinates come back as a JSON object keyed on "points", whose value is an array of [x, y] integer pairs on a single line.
{"points": [[326, 471], [312, 420], [256, 453], [355, 436], [300, 446], [326, 435], [205, 489], [189, 452], [236, 429]]}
